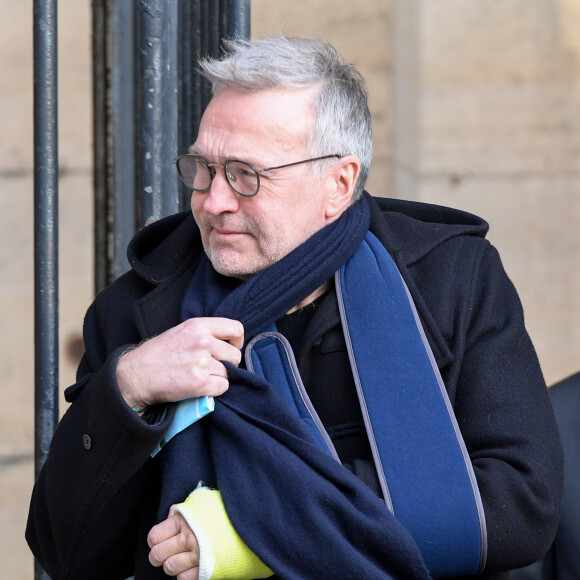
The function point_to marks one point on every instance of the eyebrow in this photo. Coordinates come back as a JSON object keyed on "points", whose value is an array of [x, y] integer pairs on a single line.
{"points": [[194, 151]]}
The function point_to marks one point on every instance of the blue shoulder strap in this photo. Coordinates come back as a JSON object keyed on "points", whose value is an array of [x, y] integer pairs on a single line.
{"points": [[414, 434], [425, 472], [270, 355]]}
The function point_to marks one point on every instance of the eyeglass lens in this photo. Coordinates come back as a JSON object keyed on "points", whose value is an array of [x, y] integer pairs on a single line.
{"points": [[197, 175]]}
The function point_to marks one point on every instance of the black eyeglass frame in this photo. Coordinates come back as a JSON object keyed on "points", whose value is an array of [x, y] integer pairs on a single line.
{"points": [[212, 171]]}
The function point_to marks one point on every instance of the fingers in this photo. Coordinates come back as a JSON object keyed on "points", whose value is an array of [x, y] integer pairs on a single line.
{"points": [[165, 530], [218, 336], [173, 558], [225, 329], [183, 362], [183, 566], [174, 546], [221, 338]]}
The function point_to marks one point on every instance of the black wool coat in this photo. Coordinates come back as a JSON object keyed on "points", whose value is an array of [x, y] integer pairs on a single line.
{"points": [[97, 495], [562, 562]]}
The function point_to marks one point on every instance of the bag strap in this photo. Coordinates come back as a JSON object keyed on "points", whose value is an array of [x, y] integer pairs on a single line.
{"points": [[421, 459]]}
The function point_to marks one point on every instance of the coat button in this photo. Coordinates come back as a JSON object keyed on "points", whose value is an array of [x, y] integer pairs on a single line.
{"points": [[87, 441]]}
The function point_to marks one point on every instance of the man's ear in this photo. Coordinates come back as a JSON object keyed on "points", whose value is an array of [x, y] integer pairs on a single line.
{"points": [[342, 179]]}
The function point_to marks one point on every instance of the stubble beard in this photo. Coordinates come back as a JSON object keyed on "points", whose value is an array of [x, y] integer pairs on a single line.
{"points": [[269, 246], [235, 262]]}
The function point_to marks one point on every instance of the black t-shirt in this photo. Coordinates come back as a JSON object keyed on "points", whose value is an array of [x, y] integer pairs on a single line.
{"points": [[331, 389]]}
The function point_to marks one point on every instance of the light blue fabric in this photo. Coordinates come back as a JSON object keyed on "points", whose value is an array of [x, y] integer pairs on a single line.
{"points": [[188, 412]]}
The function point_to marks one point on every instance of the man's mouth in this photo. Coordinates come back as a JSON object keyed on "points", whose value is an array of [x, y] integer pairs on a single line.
{"points": [[225, 233]]}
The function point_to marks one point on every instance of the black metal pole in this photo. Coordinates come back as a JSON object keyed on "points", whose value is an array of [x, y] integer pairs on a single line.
{"points": [[113, 137], [157, 101], [203, 25], [122, 138], [236, 19], [197, 102], [100, 21], [45, 229], [148, 101]]}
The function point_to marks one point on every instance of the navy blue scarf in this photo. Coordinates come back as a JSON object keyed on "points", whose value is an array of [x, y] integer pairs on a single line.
{"points": [[297, 508]]}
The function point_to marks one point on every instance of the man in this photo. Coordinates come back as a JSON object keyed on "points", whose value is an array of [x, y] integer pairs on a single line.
{"points": [[367, 358]]}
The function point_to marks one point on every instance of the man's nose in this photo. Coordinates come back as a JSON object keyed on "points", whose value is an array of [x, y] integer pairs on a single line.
{"points": [[221, 197]]}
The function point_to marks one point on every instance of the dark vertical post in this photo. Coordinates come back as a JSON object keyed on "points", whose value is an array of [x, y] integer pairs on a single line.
{"points": [[122, 138], [188, 34], [203, 24], [135, 50], [148, 102], [237, 21], [157, 133], [45, 229], [100, 144], [114, 139]]}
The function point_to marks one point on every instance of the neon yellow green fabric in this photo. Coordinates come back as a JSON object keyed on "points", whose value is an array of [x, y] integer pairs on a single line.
{"points": [[232, 558]]}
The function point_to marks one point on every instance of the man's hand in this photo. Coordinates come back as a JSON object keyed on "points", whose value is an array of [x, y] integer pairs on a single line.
{"points": [[174, 546], [181, 363]]}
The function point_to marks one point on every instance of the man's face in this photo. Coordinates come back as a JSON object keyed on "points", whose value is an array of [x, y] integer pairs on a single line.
{"points": [[243, 236]]}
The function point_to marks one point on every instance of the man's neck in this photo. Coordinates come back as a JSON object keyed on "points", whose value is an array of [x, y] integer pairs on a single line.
{"points": [[311, 297]]}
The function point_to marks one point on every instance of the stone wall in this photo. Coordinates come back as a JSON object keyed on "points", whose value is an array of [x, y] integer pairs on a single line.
{"points": [[487, 118]]}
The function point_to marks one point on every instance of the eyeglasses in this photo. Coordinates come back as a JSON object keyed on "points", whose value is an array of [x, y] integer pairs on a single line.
{"points": [[244, 178]]}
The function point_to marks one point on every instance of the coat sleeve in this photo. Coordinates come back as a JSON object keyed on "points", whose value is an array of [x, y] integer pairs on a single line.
{"points": [[83, 515], [562, 559], [504, 412]]}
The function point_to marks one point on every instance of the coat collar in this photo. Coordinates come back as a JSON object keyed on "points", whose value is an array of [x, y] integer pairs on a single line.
{"points": [[158, 252], [165, 253], [410, 231]]}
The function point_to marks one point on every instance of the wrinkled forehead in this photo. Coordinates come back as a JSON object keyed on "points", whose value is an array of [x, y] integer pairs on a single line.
{"points": [[238, 122]]}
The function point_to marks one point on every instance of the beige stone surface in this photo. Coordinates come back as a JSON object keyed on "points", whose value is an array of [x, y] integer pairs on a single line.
{"points": [[538, 251], [362, 32], [489, 121], [475, 105]]}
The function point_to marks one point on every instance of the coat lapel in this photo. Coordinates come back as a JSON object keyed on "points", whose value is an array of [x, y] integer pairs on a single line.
{"points": [[160, 309]]}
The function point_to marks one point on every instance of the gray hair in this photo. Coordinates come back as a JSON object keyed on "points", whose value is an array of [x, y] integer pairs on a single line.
{"points": [[343, 124]]}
